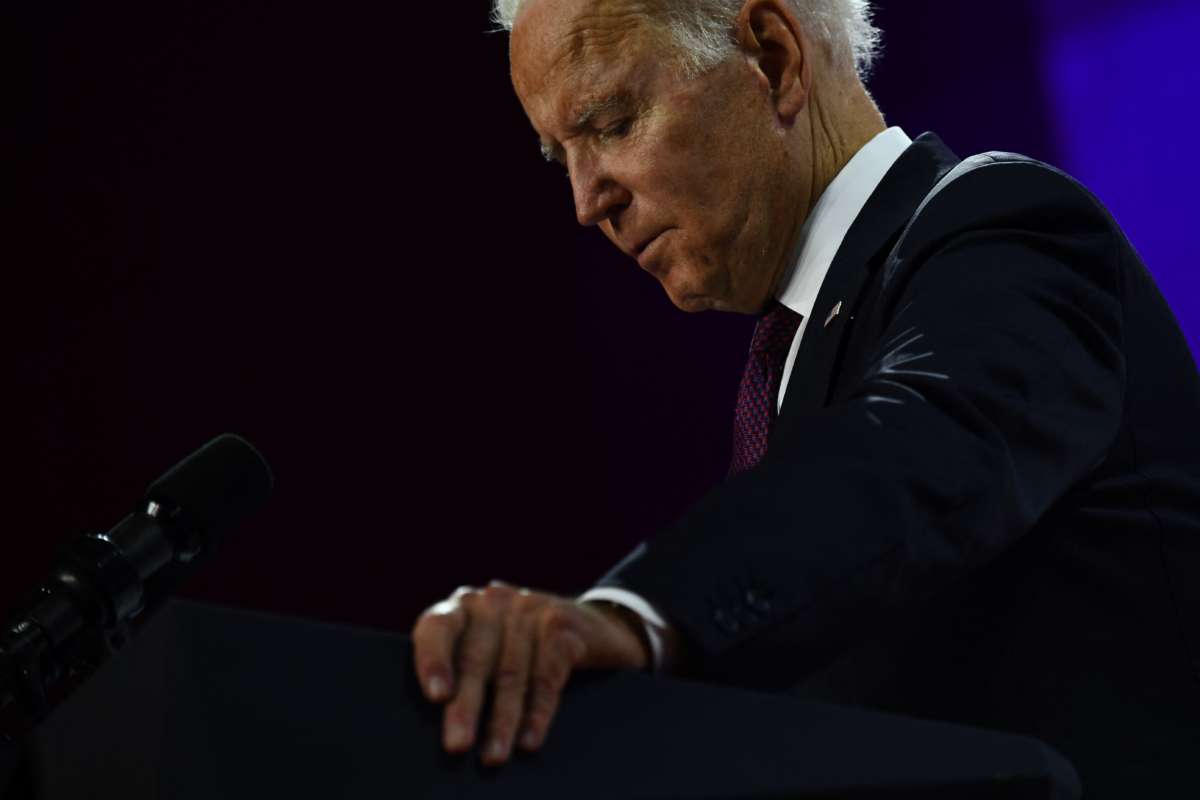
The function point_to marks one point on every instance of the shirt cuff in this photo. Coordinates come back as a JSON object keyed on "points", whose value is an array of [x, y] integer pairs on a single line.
{"points": [[652, 621]]}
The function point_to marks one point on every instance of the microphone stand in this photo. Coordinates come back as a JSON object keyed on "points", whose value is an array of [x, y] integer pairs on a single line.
{"points": [[15, 782], [29, 664], [82, 615], [11, 755]]}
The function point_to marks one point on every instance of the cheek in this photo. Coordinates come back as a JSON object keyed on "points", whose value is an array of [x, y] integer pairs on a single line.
{"points": [[698, 268], [702, 173], [699, 190], [697, 160]]}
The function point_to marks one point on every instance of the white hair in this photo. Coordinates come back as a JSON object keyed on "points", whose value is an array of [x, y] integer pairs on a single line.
{"points": [[703, 29]]}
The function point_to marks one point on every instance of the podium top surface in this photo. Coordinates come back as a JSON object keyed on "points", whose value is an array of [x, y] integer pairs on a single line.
{"points": [[209, 702]]}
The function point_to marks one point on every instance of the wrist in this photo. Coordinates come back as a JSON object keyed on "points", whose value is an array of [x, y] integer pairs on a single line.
{"points": [[631, 621]]}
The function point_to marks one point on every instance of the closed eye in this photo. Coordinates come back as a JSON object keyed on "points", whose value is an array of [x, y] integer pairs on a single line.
{"points": [[617, 129]]}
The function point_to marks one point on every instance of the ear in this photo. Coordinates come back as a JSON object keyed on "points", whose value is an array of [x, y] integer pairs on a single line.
{"points": [[770, 36]]}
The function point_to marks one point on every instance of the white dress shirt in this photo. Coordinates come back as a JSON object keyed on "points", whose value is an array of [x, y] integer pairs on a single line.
{"points": [[818, 242]]}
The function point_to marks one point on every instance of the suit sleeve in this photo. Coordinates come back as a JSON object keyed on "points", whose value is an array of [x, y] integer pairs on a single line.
{"points": [[653, 624], [995, 387]]}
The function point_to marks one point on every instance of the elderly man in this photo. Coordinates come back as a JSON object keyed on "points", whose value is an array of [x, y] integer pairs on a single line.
{"points": [[966, 469]]}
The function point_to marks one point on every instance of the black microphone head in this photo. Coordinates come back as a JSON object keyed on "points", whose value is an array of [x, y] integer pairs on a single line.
{"points": [[218, 486]]}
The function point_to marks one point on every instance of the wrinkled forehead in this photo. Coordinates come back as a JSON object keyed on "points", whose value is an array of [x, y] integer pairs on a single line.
{"points": [[557, 44]]}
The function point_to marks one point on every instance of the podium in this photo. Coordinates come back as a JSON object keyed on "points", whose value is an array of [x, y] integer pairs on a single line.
{"points": [[209, 702]]}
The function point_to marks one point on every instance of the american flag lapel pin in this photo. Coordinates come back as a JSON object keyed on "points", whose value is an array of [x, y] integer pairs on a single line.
{"points": [[836, 310]]}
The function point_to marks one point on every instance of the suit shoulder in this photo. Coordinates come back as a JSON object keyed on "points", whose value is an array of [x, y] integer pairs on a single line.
{"points": [[1004, 197], [998, 191]]}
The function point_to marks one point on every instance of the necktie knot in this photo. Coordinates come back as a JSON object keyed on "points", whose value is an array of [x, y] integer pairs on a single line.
{"points": [[775, 330], [760, 384]]}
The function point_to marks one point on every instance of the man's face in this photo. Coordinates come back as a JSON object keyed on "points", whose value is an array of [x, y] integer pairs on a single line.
{"points": [[686, 176]]}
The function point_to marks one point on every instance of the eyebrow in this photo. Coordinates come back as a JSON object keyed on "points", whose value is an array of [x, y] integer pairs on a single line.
{"points": [[595, 108], [586, 116]]}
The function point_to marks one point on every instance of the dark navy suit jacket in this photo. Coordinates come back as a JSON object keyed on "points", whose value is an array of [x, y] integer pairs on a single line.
{"points": [[981, 500]]}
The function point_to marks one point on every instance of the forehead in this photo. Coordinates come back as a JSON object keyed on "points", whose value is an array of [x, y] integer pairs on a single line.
{"points": [[564, 51]]}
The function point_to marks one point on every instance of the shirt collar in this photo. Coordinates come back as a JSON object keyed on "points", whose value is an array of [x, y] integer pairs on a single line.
{"points": [[834, 212]]}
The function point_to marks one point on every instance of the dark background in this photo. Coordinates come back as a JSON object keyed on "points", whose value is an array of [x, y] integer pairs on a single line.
{"points": [[327, 227]]}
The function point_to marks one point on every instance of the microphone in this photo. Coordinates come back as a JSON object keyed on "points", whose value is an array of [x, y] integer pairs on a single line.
{"points": [[102, 581]]}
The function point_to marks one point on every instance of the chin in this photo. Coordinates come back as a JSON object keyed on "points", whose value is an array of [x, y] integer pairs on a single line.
{"points": [[692, 303], [686, 297]]}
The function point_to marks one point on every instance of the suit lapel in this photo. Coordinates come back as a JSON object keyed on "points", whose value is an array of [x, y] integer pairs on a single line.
{"points": [[885, 215]]}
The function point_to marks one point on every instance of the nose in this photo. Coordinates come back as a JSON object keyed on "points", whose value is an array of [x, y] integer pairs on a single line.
{"points": [[598, 195]]}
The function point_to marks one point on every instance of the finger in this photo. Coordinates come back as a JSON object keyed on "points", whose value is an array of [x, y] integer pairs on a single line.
{"points": [[511, 682], [476, 658], [557, 650], [435, 639]]}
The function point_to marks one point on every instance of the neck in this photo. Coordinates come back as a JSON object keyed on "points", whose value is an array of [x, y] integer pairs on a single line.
{"points": [[840, 124], [842, 118]]}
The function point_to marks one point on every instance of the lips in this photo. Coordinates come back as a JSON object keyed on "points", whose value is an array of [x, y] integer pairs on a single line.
{"points": [[640, 247], [644, 252]]}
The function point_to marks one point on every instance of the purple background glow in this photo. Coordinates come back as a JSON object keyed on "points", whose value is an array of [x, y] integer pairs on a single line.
{"points": [[327, 227], [1124, 81]]}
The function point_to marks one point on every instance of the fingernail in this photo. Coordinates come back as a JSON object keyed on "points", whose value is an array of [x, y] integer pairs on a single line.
{"points": [[457, 737], [496, 751], [529, 740], [437, 688]]}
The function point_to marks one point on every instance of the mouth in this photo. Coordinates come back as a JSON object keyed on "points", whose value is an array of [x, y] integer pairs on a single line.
{"points": [[644, 251]]}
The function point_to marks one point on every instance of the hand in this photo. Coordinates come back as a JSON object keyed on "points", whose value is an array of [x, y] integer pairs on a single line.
{"points": [[526, 645]]}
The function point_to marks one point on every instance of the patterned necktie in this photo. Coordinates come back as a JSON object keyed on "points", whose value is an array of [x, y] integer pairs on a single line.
{"points": [[757, 394]]}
